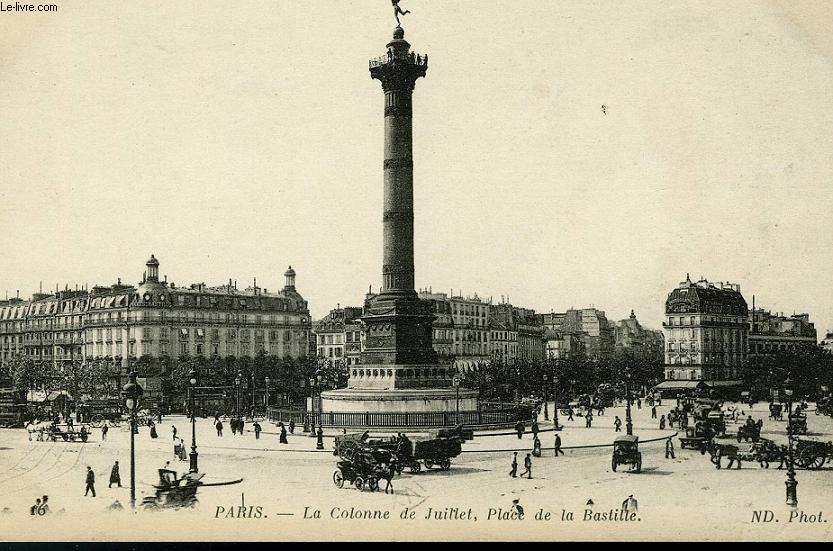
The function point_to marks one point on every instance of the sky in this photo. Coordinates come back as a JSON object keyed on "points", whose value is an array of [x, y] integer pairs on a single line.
{"points": [[234, 139]]}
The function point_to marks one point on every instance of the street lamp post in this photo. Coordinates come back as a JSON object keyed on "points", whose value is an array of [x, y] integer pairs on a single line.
{"points": [[456, 382], [546, 398], [628, 422], [132, 393], [266, 401], [791, 483], [238, 382], [192, 379], [253, 393]]}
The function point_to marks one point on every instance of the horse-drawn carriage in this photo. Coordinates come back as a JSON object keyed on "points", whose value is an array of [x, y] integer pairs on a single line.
{"points": [[812, 454], [825, 406], [750, 431], [776, 411], [797, 424], [364, 470], [708, 424], [99, 412], [175, 492], [626, 452], [435, 450]]}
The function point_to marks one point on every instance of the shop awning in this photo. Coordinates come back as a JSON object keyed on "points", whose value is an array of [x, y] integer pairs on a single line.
{"points": [[679, 385], [724, 384]]}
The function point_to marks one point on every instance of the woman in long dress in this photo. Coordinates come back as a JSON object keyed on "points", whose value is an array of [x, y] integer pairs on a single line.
{"points": [[283, 434]]}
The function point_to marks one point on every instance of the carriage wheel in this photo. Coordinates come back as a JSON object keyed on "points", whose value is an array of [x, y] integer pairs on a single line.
{"points": [[338, 479], [372, 484], [819, 462], [428, 464], [445, 464], [805, 458], [359, 483], [416, 467], [96, 420]]}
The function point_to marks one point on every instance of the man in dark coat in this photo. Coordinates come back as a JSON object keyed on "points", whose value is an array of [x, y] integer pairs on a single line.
{"points": [[617, 424], [283, 439], [257, 428], [527, 466], [115, 477], [519, 426], [653, 412], [514, 471], [90, 482], [219, 426], [558, 449], [535, 429], [292, 426]]}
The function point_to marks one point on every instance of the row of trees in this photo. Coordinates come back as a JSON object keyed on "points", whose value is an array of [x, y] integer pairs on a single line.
{"points": [[809, 370], [568, 377], [100, 378]]}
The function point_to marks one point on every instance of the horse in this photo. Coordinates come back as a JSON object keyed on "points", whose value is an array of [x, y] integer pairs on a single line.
{"points": [[38, 428], [766, 451], [718, 451]]}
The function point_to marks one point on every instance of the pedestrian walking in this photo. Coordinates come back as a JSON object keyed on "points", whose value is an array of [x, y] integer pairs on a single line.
{"points": [[115, 477], [662, 422], [630, 505], [104, 429], [653, 412], [241, 424], [535, 429], [639, 403], [527, 466], [669, 449], [90, 482], [292, 426], [514, 470], [153, 433], [519, 427], [283, 439], [173, 431], [588, 419], [536, 446], [219, 426], [617, 424], [558, 449], [257, 428], [569, 413]]}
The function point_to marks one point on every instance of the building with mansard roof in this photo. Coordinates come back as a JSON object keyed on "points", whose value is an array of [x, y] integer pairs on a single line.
{"points": [[705, 331], [156, 319]]}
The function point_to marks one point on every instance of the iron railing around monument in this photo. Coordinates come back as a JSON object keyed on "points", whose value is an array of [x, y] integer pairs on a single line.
{"points": [[482, 417]]}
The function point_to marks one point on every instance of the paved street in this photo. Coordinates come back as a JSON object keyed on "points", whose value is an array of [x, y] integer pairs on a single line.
{"points": [[285, 479]]}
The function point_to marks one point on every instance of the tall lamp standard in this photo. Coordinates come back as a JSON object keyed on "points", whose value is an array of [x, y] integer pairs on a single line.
{"points": [[266, 402], [791, 483], [456, 382], [192, 379], [132, 393], [628, 422], [253, 393], [238, 381], [546, 398]]}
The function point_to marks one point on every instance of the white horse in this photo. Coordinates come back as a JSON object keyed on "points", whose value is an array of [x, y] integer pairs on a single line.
{"points": [[37, 427]]}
